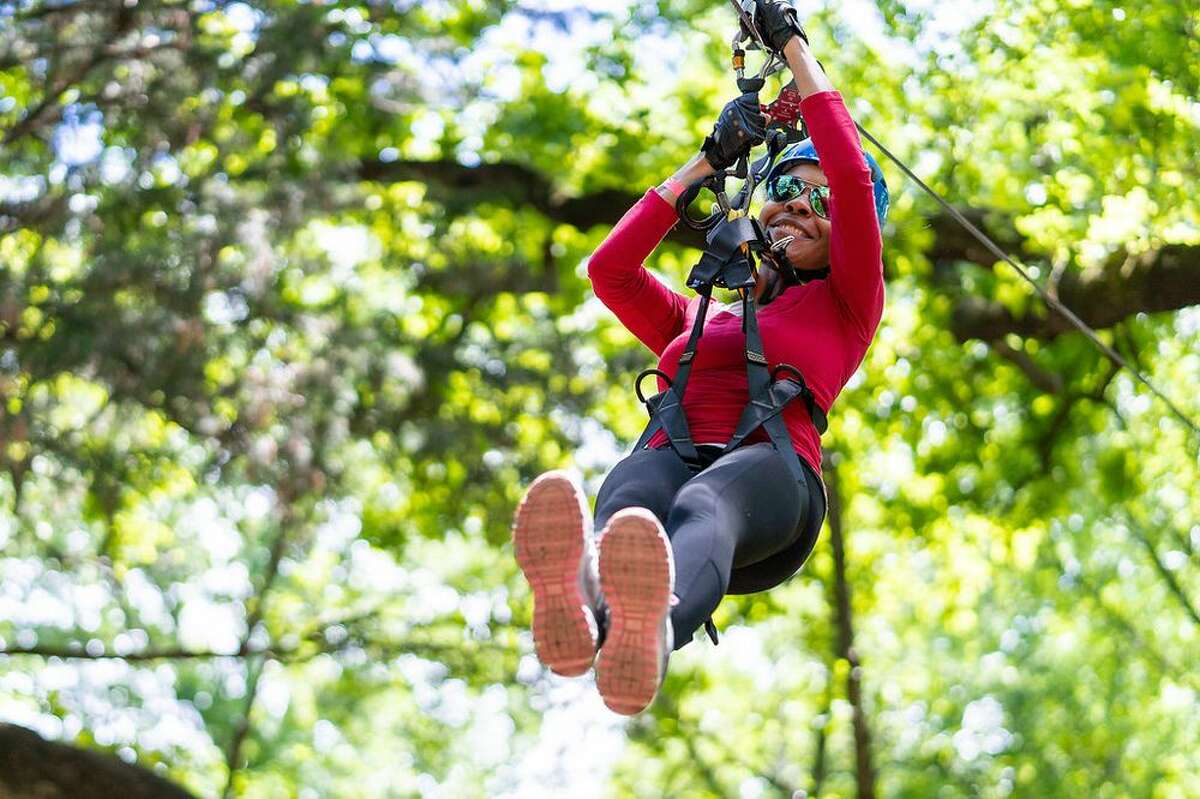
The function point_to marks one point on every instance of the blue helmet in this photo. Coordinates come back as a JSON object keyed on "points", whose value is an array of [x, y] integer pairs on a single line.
{"points": [[806, 151]]}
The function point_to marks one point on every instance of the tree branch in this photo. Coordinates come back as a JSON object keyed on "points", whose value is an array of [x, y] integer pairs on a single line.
{"points": [[31, 766], [50, 9], [242, 728], [864, 769], [953, 244], [1166, 279], [1175, 588], [689, 735], [1048, 438], [77, 653], [1047, 382], [1141, 644], [121, 22], [254, 615], [429, 649], [516, 184]]}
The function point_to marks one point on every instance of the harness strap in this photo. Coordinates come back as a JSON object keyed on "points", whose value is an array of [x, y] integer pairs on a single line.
{"points": [[769, 396], [719, 263], [725, 263], [728, 264], [666, 407]]}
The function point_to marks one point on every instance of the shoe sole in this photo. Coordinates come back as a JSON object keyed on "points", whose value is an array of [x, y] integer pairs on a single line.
{"points": [[636, 576], [549, 535]]}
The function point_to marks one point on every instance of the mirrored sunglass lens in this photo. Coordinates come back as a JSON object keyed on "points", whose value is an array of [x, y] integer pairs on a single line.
{"points": [[819, 199], [788, 187], [783, 188]]}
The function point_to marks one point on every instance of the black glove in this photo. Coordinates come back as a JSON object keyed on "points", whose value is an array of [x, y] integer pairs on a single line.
{"points": [[777, 22], [740, 127]]}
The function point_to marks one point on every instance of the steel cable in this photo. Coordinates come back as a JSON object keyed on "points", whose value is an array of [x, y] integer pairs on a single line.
{"points": [[1053, 302]]}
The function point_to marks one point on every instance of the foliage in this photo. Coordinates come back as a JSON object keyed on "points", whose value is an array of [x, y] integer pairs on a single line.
{"points": [[276, 363]]}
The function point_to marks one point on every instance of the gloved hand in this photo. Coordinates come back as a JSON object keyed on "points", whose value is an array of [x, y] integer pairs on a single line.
{"points": [[740, 128], [777, 22]]}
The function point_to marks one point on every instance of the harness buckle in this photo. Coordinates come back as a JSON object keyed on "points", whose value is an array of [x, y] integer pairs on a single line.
{"points": [[637, 383], [787, 367]]}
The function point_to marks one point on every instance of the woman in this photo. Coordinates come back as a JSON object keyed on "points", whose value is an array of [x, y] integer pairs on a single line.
{"points": [[674, 541]]}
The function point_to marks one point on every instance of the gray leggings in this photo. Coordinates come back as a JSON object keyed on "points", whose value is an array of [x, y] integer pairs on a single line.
{"points": [[736, 512]]}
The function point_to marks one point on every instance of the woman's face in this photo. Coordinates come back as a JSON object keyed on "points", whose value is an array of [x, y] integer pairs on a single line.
{"points": [[809, 249]]}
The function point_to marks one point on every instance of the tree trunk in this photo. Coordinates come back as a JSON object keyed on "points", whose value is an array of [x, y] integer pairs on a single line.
{"points": [[34, 768], [864, 770], [819, 764]]}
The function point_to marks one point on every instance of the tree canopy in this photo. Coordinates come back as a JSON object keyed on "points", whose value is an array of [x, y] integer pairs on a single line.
{"points": [[293, 305]]}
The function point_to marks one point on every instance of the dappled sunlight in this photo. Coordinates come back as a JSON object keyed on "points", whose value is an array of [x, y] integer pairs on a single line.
{"points": [[294, 305]]}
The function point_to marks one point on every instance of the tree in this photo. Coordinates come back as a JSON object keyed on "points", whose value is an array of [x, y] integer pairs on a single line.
{"points": [[291, 308], [34, 767]]}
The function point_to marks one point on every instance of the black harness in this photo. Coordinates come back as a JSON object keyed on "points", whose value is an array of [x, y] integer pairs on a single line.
{"points": [[736, 244], [728, 263]]}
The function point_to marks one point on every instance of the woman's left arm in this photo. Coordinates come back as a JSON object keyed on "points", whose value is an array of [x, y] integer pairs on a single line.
{"points": [[855, 246]]}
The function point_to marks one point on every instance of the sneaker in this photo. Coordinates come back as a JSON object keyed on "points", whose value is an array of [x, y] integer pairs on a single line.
{"points": [[637, 577], [552, 538]]}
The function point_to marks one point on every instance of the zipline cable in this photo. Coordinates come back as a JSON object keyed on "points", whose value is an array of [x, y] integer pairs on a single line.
{"points": [[748, 30], [1050, 300]]}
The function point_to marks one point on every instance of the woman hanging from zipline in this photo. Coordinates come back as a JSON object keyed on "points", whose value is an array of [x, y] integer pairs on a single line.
{"points": [[677, 536]]}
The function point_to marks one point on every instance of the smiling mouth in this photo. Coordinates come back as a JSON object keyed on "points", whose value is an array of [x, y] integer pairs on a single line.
{"points": [[784, 229]]}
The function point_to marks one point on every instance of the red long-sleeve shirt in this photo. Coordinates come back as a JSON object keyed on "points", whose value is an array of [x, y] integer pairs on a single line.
{"points": [[823, 328]]}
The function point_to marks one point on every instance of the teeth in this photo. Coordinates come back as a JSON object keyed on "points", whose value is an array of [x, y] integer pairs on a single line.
{"points": [[790, 230]]}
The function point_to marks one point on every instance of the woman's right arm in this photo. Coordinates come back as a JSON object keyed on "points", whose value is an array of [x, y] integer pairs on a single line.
{"points": [[647, 308]]}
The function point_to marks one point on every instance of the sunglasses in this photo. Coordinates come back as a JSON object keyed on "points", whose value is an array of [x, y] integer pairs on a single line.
{"points": [[782, 188]]}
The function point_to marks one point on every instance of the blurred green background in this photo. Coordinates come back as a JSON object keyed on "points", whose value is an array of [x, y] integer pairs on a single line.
{"points": [[293, 304]]}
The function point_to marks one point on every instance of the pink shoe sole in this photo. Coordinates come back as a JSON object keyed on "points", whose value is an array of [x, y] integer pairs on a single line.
{"points": [[637, 573], [549, 536]]}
